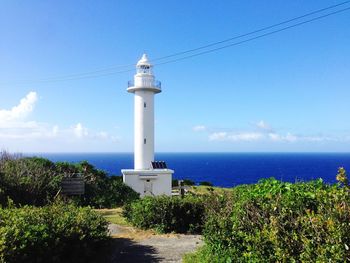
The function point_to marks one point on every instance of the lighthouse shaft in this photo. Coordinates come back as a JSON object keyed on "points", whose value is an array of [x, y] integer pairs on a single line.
{"points": [[143, 129]]}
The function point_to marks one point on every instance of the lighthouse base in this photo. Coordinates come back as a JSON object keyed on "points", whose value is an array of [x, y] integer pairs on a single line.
{"points": [[151, 182]]}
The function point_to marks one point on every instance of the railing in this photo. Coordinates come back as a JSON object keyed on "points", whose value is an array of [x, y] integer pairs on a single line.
{"points": [[146, 83]]}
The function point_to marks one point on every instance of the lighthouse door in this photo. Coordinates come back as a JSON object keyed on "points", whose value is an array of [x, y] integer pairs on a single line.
{"points": [[148, 188]]}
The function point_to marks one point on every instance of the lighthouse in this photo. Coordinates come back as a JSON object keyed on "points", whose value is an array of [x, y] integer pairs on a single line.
{"points": [[149, 177]]}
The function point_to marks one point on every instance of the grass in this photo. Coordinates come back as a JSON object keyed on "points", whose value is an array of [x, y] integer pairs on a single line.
{"points": [[195, 256], [114, 216]]}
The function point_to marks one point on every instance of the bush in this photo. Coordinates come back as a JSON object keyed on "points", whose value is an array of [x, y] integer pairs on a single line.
{"points": [[101, 191], [167, 214], [32, 181], [277, 222], [36, 181], [113, 192], [54, 233]]}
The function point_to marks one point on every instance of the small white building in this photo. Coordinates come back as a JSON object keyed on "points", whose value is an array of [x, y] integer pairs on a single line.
{"points": [[147, 177]]}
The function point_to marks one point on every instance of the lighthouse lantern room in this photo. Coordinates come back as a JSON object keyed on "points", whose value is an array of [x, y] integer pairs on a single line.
{"points": [[148, 177]]}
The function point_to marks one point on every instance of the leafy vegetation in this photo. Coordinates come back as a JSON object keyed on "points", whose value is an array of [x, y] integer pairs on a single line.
{"points": [[36, 181], [167, 214], [101, 191], [57, 232], [274, 221]]}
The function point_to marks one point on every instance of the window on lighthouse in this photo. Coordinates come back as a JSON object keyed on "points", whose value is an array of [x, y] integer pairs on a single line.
{"points": [[144, 69]]}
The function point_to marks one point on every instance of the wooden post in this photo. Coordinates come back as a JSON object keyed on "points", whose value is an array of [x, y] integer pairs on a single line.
{"points": [[181, 188]]}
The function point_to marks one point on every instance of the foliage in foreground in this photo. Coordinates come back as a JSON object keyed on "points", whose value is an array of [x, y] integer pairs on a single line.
{"points": [[274, 221], [167, 214], [54, 233], [36, 181]]}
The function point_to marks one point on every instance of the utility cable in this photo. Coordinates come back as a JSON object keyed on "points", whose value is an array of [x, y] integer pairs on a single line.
{"points": [[254, 38], [250, 33], [110, 71]]}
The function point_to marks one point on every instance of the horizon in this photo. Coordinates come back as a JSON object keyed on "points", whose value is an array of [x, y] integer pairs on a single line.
{"points": [[131, 153], [65, 67]]}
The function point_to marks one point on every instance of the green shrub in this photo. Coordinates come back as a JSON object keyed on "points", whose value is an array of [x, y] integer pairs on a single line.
{"points": [[167, 214], [101, 190], [278, 222], [36, 181], [112, 193], [54, 233], [32, 181]]}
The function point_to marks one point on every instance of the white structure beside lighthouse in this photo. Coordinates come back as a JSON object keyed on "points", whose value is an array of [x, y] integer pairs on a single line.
{"points": [[148, 177]]}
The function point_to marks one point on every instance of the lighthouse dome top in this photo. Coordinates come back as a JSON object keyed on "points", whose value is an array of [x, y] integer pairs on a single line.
{"points": [[143, 66], [144, 61]]}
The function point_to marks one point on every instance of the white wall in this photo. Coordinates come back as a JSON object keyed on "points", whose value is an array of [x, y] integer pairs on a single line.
{"points": [[161, 183], [143, 129]]}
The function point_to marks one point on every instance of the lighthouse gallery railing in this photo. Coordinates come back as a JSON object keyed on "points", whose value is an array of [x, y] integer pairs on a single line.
{"points": [[147, 83]]}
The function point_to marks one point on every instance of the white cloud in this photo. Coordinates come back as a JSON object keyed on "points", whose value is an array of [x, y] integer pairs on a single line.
{"points": [[291, 138], [263, 125], [267, 134], [269, 137], [218, 136], [102, 135], [199, 128], [235, 137], [279, 138], [55, 130], [20, 111], [301, 138], [80, 131], [15, 126]]}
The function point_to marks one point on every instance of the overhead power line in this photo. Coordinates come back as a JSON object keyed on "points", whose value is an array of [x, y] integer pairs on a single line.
{"points": [[252, 32], [107, 71], [253, 38]]}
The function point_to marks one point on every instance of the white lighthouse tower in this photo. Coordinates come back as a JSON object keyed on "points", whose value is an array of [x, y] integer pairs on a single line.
{"points": [[148, 177]]}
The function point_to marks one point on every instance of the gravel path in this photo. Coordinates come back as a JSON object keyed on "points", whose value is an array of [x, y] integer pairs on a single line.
{"points": [[135, 246]]}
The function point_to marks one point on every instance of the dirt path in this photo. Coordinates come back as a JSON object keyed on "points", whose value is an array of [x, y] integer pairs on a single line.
{"points": [[132, 245]]}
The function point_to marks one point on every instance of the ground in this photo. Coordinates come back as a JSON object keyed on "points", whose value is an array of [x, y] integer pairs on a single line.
{"points": [[135, 245]]}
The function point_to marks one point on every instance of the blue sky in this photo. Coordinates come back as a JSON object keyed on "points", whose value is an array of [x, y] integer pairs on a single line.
{"points": [[286, 92]]}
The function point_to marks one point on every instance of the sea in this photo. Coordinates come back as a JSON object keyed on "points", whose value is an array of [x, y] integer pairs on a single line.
{"points": [[225, 169]]}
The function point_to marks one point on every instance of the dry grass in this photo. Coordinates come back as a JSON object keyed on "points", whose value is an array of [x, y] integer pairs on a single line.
{"points": [[134, 233]]}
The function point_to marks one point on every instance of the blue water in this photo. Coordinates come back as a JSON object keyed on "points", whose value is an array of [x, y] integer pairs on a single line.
{"points": [[226, 169]]}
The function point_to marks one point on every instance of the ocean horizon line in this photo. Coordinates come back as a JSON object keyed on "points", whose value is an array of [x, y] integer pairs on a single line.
{"points": [[194, 152]]}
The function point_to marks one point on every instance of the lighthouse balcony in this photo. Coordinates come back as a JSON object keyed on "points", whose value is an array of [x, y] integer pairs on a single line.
{"points": [[145, 84]]}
